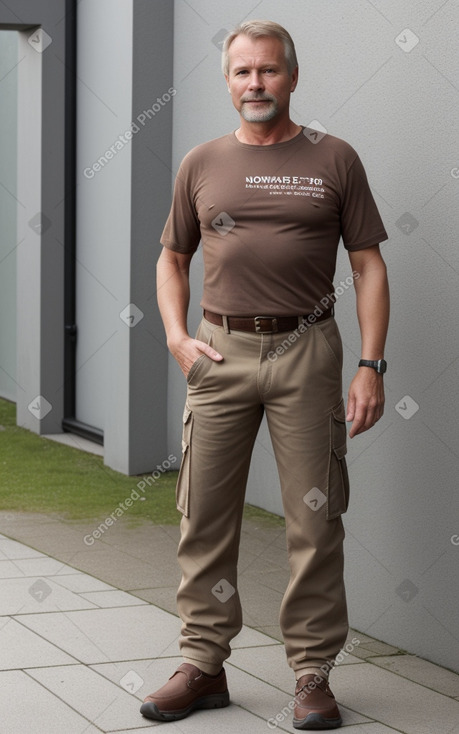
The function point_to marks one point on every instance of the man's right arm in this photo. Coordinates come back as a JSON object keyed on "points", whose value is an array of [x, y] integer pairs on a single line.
{"points": [[173, 289]]}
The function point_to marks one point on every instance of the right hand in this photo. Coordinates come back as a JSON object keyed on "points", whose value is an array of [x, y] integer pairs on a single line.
{"points": [[187, 350]]}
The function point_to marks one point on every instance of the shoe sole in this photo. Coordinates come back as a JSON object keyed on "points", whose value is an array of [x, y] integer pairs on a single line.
{"points": [[215, 701], [316, 722]]}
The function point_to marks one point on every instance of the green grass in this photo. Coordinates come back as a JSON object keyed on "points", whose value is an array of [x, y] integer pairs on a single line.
{"points": [[40, 475]]}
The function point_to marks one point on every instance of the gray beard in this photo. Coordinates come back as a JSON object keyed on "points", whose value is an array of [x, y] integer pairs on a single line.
{"points": [[262, 115]]}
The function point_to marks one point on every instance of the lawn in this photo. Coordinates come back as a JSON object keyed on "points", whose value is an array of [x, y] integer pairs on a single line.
{"points": [[40, 475]]}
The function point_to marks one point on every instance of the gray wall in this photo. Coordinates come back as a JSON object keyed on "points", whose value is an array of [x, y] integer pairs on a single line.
{"points": [[124, 66], [40, 212], [124, 141], [8, 228], [103, 224], [396, 102]]}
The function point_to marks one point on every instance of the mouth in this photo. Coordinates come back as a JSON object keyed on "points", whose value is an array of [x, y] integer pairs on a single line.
{"points": [[255, 101]]}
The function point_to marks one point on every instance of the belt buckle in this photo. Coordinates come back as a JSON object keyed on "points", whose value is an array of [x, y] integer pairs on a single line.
{"points": [[258, 326]]}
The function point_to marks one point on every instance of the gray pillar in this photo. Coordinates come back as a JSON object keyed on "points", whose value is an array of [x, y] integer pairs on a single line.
{"points": [[40, 187], [135, 432]]}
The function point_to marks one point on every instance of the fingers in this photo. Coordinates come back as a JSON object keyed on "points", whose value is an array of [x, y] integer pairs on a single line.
{"points": [[188, 350], [365, 401], [350, 408], [209, 351], [365, 416]]}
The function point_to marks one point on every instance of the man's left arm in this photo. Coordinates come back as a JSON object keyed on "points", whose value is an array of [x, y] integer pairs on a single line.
{"points": [[366, 393]]}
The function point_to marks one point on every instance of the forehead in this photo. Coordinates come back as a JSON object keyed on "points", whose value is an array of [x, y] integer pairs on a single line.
{"points": [[247, 51]]}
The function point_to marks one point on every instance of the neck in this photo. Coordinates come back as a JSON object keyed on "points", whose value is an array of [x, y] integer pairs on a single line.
{"points": [[267, 133]]}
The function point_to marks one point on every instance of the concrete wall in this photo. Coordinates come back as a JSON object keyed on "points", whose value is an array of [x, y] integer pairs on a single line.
{"points": [[124, 142], [125, 120], [384, 77], [8, 204], [103, 201], [40, 213]]}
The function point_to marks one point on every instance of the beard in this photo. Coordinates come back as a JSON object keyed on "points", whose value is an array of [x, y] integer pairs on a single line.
{"points": [[259, 113]]}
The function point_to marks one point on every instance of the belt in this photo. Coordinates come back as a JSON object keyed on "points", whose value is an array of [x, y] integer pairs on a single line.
{"points": [[265, 324]]}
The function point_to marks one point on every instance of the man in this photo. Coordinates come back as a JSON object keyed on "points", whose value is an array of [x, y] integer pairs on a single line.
{"points": [[270, 202]]}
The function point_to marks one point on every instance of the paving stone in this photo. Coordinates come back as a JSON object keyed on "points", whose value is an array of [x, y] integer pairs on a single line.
{"points": [[9, 570], [267, 701], [121, 570], [21, 648], [423, 672], [271, 630], [100, 635], [378, 691], [106, 705], [81, 583], [395, 701], [380, 648], [28, 707], [44, 566], [115, 598], [12, 550], [268, 663], [29, 596], [371, 728], [162, 597], [248, 637]]}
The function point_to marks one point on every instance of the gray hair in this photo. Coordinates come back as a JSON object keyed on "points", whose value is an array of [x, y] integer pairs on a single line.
{"points": [[260, 29]]}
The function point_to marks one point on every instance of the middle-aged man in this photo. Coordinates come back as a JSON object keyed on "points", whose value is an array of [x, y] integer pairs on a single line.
{"points": [[270, 202]]}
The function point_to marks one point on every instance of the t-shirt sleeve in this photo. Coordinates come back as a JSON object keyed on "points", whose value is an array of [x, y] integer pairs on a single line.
{"points": [[182, 231], [361, 224]]}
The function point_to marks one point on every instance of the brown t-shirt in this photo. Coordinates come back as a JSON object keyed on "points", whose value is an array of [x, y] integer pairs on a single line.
{"points": [[270, 218]]}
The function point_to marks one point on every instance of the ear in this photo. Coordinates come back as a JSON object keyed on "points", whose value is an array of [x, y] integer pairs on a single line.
{"points": [[294, 79], [227, 83]]}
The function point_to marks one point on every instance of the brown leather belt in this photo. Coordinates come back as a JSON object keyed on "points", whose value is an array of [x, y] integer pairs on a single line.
{"points": [[265, 324]]}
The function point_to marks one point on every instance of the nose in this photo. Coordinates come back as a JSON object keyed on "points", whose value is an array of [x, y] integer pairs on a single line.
{"points": [[255, 81]]}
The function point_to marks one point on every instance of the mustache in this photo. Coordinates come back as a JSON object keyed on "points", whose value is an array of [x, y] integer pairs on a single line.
{"points": [[259, 98]]}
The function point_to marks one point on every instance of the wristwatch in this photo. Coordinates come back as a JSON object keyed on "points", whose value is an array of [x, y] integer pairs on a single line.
{"points": [[380, 365]]}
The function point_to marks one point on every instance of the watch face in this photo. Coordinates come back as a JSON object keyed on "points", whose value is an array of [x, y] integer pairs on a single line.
{"points": [[382, 366]]}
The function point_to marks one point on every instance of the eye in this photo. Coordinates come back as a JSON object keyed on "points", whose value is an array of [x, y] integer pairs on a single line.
{"points": [[243, 71], [269, 71]]}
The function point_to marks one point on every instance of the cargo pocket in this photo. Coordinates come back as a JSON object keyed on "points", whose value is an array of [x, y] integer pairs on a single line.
{"points": [[338, 478], [182, 492]]}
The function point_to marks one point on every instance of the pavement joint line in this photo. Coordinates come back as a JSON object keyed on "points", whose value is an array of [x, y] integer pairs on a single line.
{"points": [[66, 703]]}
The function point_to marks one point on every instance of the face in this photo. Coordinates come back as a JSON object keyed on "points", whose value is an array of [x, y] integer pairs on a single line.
{"points": [[258, 78]]}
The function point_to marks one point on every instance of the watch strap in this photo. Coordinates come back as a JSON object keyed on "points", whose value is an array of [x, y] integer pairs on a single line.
{"points": [[380, 365]]}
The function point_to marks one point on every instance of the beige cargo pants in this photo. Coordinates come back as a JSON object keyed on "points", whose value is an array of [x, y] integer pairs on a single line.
{"points": [[295, 378]]}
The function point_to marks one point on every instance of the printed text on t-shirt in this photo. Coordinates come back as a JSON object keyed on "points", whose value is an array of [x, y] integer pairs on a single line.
{"points": [[288, 185]]}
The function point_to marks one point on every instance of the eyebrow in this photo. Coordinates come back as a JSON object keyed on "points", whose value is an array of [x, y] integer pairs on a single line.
{"points": [[267, 64]]}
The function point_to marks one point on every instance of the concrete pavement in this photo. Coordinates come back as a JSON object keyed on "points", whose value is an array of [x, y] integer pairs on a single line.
{"points": [[86, 631]]}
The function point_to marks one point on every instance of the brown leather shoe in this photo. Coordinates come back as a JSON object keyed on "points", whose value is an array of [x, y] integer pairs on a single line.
{"points": [[186, 690], [315, 705]]}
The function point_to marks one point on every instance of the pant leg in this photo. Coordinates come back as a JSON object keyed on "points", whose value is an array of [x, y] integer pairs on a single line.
{"points": [[221, 419], [305, 415]]}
